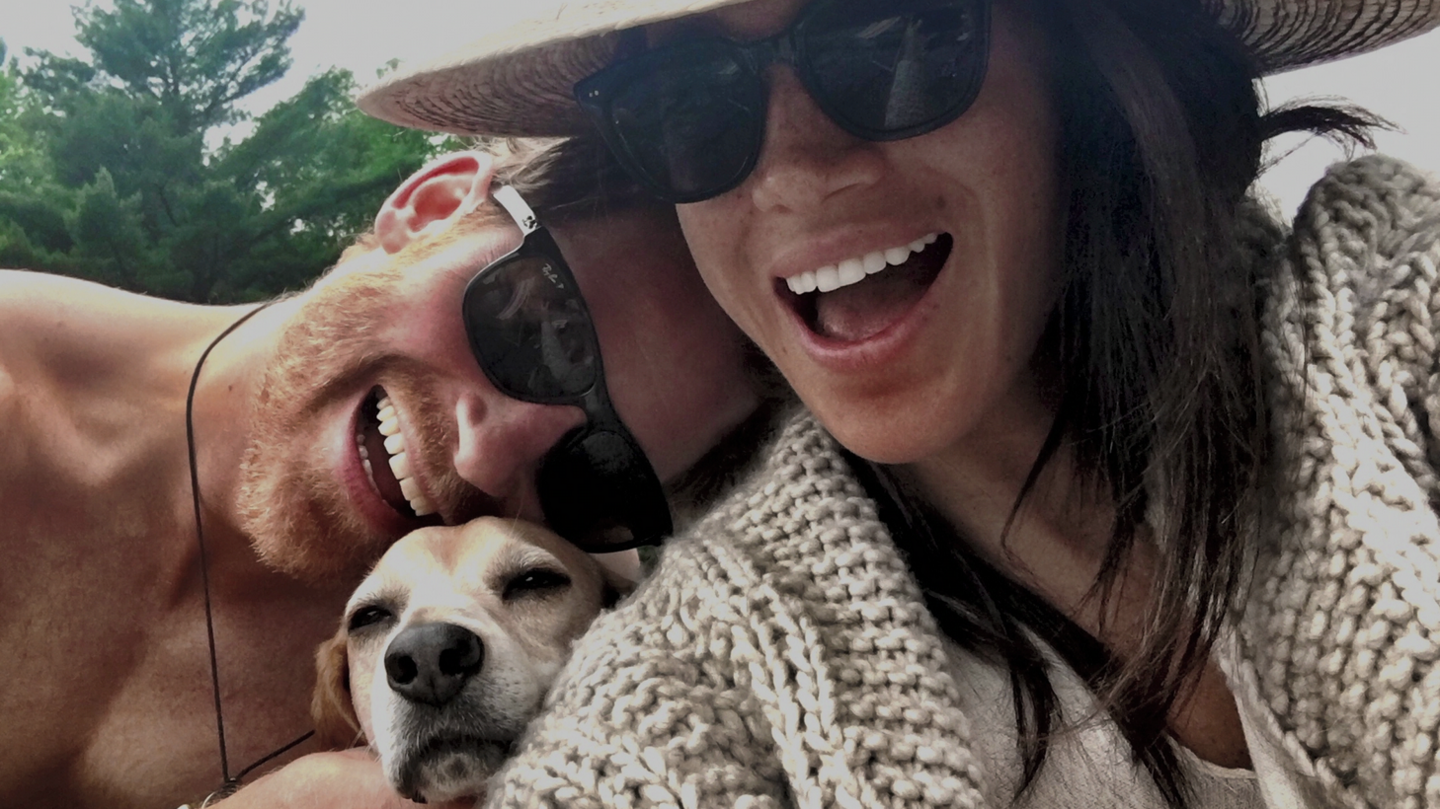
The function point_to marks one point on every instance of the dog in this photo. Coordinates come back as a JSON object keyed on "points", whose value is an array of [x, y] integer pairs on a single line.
{"points": [[448, 648]]}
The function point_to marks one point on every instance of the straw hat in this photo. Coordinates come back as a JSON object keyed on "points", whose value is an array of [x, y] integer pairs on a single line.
{"points": [[517, 80]]}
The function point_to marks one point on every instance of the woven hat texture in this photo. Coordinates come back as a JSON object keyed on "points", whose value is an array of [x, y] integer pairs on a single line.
{"points": [[517, 79]]}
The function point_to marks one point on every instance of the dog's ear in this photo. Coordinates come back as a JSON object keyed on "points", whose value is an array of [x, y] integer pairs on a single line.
{"points": [[336, 725], [431, 199]]}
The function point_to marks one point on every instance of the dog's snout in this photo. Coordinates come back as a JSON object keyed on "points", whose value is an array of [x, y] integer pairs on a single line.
{"points": [[430, 663]]}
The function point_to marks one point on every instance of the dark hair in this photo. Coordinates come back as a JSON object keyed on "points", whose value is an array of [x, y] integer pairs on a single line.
{"points": [[1153, 355], [568, 178]]}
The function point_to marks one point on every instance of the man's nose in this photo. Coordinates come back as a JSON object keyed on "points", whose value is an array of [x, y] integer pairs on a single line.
{"points": [[501, 440], [806, 157]]}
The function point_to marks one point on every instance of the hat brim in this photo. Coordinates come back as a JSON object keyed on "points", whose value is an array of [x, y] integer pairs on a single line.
{"points": [[518, 80]]}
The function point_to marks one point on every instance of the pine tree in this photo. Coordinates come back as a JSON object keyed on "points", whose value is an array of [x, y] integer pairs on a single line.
{"points": [[113, 167]]}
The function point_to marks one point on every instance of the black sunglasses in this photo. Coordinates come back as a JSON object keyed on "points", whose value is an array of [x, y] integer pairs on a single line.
{"points": [[688, 120], [532, 335]]}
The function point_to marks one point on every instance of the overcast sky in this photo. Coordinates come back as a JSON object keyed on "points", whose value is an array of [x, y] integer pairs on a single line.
{"points": [[1401, 83]]}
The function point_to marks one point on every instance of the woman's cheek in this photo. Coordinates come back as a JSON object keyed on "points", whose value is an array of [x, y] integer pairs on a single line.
{"points": [[714, 244]]}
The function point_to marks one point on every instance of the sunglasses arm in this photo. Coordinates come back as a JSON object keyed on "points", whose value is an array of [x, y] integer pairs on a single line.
{"points": [[510, 200]]}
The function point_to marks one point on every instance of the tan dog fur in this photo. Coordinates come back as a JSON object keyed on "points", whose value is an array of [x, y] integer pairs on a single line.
{"points": [[481, 576]]}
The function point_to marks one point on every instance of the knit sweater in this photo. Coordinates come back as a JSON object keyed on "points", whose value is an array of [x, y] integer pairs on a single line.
{"points": [[782, 654]]}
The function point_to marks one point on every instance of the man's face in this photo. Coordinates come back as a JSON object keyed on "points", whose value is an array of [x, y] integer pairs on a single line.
{"points": [[320, 492]]}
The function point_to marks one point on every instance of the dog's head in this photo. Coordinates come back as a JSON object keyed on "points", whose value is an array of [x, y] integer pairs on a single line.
{"points": [[448, 648]]}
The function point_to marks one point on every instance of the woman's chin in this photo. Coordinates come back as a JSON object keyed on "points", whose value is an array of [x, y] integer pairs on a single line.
{"points": [[879, 438]]}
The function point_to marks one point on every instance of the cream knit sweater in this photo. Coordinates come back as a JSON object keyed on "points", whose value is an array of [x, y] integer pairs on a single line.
{"points": [[782, 655]]}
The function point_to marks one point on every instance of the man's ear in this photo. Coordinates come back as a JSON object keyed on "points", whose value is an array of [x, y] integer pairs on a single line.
{"points": [[432, 198], [336, 725]]}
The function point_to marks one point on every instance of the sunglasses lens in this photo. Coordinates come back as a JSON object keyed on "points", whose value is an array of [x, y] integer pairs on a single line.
{"points": [[530, 330], [692, 126], [599, 492], [896, 73]]}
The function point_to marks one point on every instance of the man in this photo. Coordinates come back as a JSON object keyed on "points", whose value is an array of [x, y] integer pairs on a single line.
{"points": [[109, 697]]}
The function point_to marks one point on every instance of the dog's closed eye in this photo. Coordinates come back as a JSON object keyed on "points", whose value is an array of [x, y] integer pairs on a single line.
{"points": [[368, 615], [535, 582], [448, 648]]}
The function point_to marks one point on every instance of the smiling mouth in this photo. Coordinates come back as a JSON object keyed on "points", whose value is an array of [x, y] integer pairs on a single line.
{"points": [[863, 296], [381, 447]]}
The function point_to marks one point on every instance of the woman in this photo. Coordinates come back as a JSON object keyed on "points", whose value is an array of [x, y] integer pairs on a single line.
{"points": [[1122, 492]]}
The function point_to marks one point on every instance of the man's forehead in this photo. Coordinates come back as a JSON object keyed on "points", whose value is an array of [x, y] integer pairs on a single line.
{"points": [[468, 244], [464, 248]]}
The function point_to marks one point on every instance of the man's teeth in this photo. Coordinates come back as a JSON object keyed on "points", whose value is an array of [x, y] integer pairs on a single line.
{"points": [[831, 277], [399, 460]]}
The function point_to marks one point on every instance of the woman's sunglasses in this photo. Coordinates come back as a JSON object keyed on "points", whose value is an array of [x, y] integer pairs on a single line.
{"points": [[688, 119], [532, 335]]}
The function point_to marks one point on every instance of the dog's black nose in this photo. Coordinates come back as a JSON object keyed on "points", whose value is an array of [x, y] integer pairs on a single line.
{"points": [[430, 662]]}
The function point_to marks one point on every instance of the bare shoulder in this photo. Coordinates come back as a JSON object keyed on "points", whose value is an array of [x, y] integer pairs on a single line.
{"points": [[52, 329], [52, 324], [39, 309], [27, 316], [28, 312]]}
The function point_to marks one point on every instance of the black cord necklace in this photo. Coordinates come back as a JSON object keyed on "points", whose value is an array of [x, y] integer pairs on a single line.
{"points": [[230, 783]]}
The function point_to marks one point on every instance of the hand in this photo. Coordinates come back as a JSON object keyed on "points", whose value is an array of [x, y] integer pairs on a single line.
{"points": [[347, 779]]}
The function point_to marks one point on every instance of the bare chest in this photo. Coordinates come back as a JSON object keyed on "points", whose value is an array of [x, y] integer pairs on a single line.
{"points": [[109, 697], [157, 742]]}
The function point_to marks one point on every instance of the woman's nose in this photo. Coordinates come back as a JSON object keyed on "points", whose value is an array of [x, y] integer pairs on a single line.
{"points": [[806, 157], [501, 440]]}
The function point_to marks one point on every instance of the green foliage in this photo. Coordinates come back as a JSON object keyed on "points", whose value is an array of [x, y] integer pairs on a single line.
{"points": [[109, 234], [193, 59], [323, 168], [33, 231], [22, 155], [105, 172]]}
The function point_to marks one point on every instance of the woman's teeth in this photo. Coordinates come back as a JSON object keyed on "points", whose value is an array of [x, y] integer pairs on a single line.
{"points": [[399, 460], [853, 270]]}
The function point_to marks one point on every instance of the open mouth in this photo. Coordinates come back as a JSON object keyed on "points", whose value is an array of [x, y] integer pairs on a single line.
{"points": [[380, 442], [862, 296]]}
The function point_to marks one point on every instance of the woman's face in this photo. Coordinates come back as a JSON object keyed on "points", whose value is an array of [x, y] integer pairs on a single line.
{"points": [[910, 361]]}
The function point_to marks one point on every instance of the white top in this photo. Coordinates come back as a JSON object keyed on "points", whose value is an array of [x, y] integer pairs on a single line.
{"points": [[1089, 762]]}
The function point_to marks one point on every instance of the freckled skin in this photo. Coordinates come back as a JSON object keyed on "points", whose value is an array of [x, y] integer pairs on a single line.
{"points": [[987, 179]]}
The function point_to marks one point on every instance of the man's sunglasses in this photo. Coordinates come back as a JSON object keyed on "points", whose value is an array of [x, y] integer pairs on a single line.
{"points": [[532, 335], [688, 120]]}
